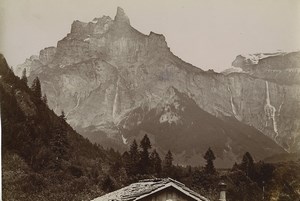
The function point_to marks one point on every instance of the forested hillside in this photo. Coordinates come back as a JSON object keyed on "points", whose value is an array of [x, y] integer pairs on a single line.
{"points": [[45, 159]]}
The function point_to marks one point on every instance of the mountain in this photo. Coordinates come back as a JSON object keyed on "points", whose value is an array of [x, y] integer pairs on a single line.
{"points": [[179, 124], [43, 158], [105, 69], [280, 67]]}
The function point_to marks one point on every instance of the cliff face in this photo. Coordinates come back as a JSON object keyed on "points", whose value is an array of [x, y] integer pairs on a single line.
{"points": [[179, 124], [105, 68], [281, 74], [283, 68]]}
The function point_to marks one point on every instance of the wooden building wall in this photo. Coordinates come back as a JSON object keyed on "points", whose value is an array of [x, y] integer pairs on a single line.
{"points": [[168, 194]]}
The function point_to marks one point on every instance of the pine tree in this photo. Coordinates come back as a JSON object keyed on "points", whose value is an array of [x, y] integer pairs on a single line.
{"points": [[7, 72], [59, 146], [126, 161], [45, 99], [145, 145], [209, 157], [36, 88], [235, 167], [134, 158], [168, 164], [168, 160], [264, 172], [155, 163], [24, 76], [108, 184], [94, 173], [247, 165], [63, 116]]}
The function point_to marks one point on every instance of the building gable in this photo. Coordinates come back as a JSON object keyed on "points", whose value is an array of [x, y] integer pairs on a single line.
{"points": [[168, 194], [151, 188]]}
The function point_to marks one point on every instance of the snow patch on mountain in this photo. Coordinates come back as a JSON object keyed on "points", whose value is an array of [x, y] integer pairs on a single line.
{"points": [[254, 58], [233, 70]]}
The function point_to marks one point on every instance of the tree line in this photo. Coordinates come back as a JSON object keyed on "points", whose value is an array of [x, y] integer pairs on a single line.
{"points": [[37, 90], [139, 159]]}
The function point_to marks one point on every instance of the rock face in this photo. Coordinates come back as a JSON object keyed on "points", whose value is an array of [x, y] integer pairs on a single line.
{"points": [[177, 122], [105, 69], [47, 55], [283, 68]]}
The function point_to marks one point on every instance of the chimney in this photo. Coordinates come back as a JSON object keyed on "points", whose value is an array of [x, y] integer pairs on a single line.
{"points": [[222, 187]]}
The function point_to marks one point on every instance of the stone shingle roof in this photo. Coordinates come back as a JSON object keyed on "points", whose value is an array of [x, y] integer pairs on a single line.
{"points": [[143, 188]]}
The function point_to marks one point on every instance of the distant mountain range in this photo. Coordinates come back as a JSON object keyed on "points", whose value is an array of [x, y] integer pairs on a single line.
{"points": [[116, 84]]}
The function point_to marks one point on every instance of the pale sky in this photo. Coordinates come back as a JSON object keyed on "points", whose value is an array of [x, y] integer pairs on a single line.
{"points": [[205, 33]]}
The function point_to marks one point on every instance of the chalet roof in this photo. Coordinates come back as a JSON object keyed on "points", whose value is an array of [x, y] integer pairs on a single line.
{"points": [[143, 188]]}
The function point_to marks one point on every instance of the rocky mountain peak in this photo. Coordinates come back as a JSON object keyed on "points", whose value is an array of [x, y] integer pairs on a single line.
{"points": [[105, 69], [121, 16]]}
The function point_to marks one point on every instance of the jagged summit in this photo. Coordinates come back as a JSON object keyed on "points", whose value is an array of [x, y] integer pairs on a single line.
{"points": [[106, 68], [121, 16]]}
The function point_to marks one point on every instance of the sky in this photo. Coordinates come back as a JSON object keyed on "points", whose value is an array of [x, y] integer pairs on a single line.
{"points": [[206, 33]]}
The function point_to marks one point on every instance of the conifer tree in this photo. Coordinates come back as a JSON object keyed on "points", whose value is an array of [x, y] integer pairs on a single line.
{"points": [[235, 167], [168, 164], [247, 165], [45, 99], [155, 163], [209, 157], [126, 161], [134, 158], [24, 76], [59, 146], [63, 116], [168, 159], [94, 173], [108, 184], [36, 88], [145, 145], [7, 73]]}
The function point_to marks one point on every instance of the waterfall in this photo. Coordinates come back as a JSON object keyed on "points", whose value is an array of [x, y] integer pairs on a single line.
{"points": [[76, 106], [233, 108], [124, 140], [270, 111], [115, 105]]}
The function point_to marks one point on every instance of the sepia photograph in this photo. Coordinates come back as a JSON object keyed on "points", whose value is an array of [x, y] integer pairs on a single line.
{"points": [[162, 100]]}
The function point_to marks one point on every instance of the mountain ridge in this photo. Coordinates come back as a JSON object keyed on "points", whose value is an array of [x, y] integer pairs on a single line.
{"points": [[103, 69], [178, 124]]}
